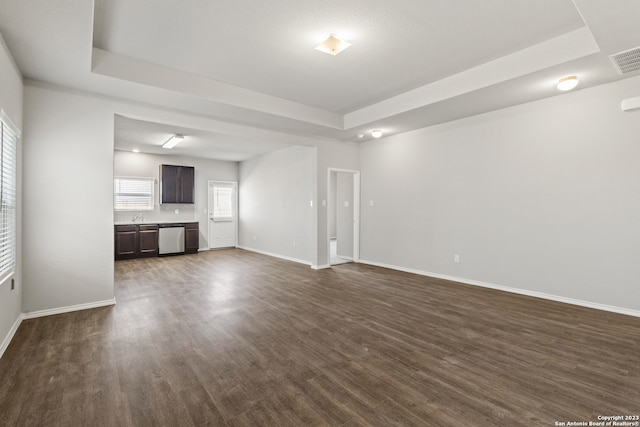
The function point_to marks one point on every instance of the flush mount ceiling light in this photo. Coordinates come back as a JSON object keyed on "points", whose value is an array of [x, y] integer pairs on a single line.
{"points": [[173, 141], [376, 133], [567, 83], [332, 45]]}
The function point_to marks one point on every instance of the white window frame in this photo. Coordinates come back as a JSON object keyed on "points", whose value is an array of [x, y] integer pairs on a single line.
{"points": [[134, 207], [9, 139]]}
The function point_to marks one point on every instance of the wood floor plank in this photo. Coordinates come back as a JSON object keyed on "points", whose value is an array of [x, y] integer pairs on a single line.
{"points": [[234, 338]]}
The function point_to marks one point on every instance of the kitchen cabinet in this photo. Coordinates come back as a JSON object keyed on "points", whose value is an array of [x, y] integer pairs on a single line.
{"points": [[141, 240], [126, 241], [148, 240], [177, 184], [191, 237], [136, 241]]}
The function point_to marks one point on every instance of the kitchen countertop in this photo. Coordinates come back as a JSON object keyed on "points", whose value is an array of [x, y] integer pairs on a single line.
{"points": [[152, 222]]}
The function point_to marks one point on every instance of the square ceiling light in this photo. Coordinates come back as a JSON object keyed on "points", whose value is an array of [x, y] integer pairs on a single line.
{"points": [[332, 45]]}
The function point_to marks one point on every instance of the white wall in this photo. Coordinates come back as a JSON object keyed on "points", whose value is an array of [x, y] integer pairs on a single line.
{"points": [[142, 165], [68, 201], [275, 195], [11, 99], [542, 197]]}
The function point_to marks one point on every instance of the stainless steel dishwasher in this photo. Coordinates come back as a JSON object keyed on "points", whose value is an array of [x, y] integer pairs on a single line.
{"points": [[171, 239]]}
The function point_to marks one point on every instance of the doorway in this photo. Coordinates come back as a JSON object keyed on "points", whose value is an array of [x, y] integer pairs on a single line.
{"points": [[223, 214], [343, 216]]}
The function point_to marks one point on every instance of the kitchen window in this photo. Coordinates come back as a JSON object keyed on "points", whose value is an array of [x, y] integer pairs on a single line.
{"points": [[8, 196], [133, 194]]}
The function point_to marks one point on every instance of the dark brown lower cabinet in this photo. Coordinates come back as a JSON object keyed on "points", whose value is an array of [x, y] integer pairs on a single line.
{"points": [[136, 241], [191, 237], [126, 241], [141, 240], [148, 240]]}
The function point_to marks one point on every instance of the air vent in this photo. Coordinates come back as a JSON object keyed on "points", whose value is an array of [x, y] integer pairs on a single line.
{"points": [[628, 61]]}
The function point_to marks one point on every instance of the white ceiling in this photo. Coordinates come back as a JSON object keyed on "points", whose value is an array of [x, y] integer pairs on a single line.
{"points": [[148, 137], [413, 63]]}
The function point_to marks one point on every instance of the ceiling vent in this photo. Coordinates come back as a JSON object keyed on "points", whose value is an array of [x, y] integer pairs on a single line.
{"points": [[628, 61]]}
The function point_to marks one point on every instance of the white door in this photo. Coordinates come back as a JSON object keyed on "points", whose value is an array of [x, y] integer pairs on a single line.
{"points": [[223, 214]]}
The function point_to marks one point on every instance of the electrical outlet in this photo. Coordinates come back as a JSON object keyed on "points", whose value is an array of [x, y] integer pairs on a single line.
{"points": [[294, 244], [177, 211], [456, 258], [254, 238]]}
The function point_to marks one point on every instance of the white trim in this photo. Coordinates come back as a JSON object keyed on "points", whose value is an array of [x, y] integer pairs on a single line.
{"points": [[9, 337], [321, 267], [566, 300], [68, 309], [288, 258]]}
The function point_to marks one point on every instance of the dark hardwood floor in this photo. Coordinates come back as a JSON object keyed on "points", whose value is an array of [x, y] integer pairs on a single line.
{"points": [[236, 338]]}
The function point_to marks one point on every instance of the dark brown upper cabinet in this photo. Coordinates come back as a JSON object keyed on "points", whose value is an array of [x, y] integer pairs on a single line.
{"points": [[177, 184]]}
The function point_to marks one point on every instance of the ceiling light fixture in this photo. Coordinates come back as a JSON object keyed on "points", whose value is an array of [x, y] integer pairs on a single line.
{"points": [[360, 135], [173, 141], [567, 83], [332, 45], [376, 133], [135, 150]]}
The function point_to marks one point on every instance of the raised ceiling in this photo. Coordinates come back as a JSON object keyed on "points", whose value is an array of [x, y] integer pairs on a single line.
{"points": [[413, 63], [267, 46]]}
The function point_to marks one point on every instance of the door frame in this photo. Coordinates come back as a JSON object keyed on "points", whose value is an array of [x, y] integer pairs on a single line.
{"points": [[235, 213], [356, 213]]}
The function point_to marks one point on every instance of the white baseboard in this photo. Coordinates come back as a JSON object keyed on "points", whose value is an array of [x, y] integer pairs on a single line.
{"points": [[321, 267], [68, 309], [10, 335], [299, 261], [589, 304]]}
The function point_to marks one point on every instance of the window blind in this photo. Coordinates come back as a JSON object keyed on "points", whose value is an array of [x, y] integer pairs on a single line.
{"points": [[133, 194], [8, 198]]}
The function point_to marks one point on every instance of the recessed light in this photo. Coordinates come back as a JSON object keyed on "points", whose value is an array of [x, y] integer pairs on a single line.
{"points": [[567, 83], [173, 141], [376, 133], [332, 45], [360, 135], [135, 150]]}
